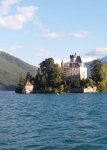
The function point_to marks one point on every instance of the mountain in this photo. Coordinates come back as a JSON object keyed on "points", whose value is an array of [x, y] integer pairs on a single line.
{"points": [[11, 69], [103, 60]]}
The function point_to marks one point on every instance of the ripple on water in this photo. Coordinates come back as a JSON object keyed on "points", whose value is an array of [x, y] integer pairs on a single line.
{"points": [[51, 122]]}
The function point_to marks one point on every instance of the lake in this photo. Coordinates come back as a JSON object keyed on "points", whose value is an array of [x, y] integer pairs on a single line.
{"points": [[53, 122]]}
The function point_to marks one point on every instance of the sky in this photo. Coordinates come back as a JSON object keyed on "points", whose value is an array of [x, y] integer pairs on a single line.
{"points": [[34, 30]]}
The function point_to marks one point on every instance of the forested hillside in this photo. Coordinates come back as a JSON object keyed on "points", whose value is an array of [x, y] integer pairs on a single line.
{"points": [[11, 69]]}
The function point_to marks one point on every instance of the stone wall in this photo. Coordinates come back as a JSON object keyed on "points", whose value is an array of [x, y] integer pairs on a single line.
{"points": [[90, 89], [84, 90]]}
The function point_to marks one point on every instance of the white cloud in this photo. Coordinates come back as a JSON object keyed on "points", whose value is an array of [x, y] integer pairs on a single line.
{"points": [[80, 34], [101, 51], [6, 6], [20, 17], [50, 35], [1, 50], [16, 21], [45, 32], [87, 59], [15, 47], [40, 52]]}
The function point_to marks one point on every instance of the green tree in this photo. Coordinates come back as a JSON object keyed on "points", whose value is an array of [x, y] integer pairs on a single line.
{"points": [[87, 82], [101, 87], [61, 88], [29, 77], [56, 75], [51, 71], [96, 68], [75, 83], [21, 83], [104, 77]]}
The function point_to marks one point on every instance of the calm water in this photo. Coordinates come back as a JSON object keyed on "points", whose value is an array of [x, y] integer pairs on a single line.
{"points": [[53, 122]]}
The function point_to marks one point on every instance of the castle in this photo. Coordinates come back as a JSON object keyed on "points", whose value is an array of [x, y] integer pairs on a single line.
{"points": [[74, 69]]}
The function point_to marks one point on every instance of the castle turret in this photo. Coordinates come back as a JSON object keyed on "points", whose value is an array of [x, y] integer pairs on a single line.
{"points": [[73, 57]]}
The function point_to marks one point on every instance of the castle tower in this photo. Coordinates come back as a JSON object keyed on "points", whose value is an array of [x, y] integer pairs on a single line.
{"points": [[75, 68]]}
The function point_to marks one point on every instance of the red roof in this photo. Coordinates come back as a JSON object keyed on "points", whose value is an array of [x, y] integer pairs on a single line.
{"points": [[28, 84]]}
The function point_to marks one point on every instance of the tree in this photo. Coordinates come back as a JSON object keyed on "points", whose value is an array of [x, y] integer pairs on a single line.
{"points": [[96, 68], [20, 84], [87, 82], [29, 77], [51, 72], [75, 83], [102, 86], [56, 75], [104, 72], [61, 88], [21, 81]]}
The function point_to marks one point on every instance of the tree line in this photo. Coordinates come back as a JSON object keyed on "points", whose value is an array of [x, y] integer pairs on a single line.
{"points": [[50, 78]]}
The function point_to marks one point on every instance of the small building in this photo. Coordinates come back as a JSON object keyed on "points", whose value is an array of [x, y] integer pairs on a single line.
{"points": [[28, 87], [74, 69]]}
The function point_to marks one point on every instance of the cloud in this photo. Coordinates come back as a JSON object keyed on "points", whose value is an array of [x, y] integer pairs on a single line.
{"points": [[17, 20], [50, 35], [15, 47], [6, 6], [21, 16], [46, 34], [87, 59], [1, 50], [40, 52], [80, 34], [97, 52]]}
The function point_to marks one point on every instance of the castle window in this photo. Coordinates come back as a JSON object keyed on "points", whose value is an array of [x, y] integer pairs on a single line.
{"points": [[70, 65]]}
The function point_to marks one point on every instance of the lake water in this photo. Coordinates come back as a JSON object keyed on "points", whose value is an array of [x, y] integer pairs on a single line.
{"points": [[53, 122]]}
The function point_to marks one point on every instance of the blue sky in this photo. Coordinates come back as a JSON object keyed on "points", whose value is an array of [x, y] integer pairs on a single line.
{"points": [[33, 30]]}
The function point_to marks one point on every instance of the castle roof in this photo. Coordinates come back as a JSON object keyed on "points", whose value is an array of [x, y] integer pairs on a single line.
{"points": [[76, 57]]}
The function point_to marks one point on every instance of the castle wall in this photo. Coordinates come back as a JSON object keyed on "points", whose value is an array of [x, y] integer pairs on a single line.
{"points": [[83, 72]]}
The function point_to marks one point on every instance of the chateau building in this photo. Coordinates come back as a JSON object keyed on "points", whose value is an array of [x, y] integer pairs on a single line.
{"points": [[75, 68]]}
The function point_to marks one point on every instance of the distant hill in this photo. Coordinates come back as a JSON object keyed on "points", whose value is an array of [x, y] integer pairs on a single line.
{"points": [[103, 60], [11, 69]]}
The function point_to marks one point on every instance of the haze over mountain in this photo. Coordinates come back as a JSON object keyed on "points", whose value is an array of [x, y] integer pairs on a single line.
{"points": [[11, 69]]}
